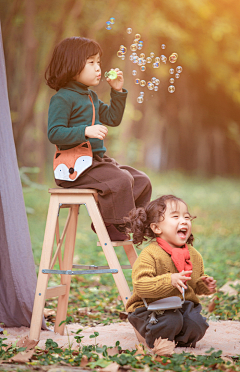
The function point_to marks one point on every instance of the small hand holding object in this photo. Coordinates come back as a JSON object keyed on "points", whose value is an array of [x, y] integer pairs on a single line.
{"points": [[210, 283], [178, 279], [96, 131], [115, 79]]}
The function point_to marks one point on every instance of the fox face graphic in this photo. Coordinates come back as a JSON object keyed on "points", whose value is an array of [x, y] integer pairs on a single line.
{"points": [[69, 164]]}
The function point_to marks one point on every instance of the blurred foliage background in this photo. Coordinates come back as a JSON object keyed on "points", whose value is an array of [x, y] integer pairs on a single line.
{"points": [[196, 129]]}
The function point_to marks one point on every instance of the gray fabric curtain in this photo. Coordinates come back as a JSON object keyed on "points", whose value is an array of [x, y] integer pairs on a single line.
{"points": [[17, 270]]}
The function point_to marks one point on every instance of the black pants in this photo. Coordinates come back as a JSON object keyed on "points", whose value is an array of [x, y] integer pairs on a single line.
{"points": [[185, 326]]}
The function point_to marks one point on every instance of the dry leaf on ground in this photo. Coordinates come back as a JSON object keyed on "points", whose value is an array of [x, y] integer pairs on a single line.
{"points": [[48, 312], [113, 367], [25, 342], [163, 347], [23, 357]]}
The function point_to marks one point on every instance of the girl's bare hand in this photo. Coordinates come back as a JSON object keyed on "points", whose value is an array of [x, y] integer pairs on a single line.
{"points": [[117, 83], [178, 279], [96, 131], [210, 283]]}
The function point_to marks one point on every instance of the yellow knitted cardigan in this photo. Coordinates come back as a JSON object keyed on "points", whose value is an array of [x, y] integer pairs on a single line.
{"points": [[151, 277]]}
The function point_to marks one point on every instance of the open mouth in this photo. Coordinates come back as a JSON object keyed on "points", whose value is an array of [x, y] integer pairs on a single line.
{"points": [[182, 233]]}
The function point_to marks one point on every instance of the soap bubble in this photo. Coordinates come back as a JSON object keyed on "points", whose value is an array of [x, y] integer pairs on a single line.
{"points": [[112, 20], [171, 81], [150, 85], [129, 30], [131, 57], [143, 68], [140, 61], [173, 58], [157, 59], [139, 46], [137, 36], [171, 88], [140, 99], [156, 88], [163, 46], [179, 69], [171, 71], [134, 72], [163, 58], [123, 57], [142, 83], [156, 64], [106, 74], [123, 49], [108, 25], [177, 76], [152, 54], [142, 55], [149, 59], [157, 82], [133, 47], [137, 81], [140, 42], [141, 94], [144, 61], [119, 53], [135, 59], [153, 79]]}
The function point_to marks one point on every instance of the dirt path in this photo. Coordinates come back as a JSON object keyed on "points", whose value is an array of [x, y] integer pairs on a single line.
{"points": [[221, 335]]}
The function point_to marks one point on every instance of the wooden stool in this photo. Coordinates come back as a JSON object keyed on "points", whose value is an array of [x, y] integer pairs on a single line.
{"points": [[72, 199]]}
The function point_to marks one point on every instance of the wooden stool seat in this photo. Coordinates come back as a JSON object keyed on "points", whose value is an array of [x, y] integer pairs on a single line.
{"points": [[72, 198]]}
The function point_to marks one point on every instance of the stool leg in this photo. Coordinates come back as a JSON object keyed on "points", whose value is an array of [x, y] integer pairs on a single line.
{"points": [[131, 253], [39, 301], [67, 265], [108, 249]]}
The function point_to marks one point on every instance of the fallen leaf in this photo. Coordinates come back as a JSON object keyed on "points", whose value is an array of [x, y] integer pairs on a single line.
{"points": [[25, 342], [23, 357], [163, 347], [84, 361], [140, 349], [113, 367], [48, 312], [227, 289]]}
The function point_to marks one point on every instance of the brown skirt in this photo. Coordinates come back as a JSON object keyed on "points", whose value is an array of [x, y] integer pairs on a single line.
{"points": [[120, 187]]}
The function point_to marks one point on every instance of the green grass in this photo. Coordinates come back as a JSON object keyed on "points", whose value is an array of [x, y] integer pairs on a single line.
{"points": [[215, 202]]}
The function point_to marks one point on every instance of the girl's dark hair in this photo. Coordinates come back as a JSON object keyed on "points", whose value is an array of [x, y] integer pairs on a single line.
{"points": [[139, 219], [68, 59]]}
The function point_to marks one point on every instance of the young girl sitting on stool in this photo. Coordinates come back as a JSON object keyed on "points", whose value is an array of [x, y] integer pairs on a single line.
{"points": [[75, 65], [163, 269]]}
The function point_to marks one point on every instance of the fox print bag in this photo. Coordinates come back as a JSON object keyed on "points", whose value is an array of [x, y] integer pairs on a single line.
{"points": [[69, 164]]}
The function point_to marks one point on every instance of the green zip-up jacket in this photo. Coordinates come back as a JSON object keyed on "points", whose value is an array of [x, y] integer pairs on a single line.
{"points": [[70, 112]]}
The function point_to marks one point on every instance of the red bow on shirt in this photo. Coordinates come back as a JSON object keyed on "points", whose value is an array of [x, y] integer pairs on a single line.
{"points": [[180, 256]]}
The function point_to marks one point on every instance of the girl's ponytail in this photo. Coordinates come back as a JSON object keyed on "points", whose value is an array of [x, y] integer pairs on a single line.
{"points": [[137, 223]]}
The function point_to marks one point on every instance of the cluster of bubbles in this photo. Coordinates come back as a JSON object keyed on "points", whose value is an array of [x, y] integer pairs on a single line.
{"points": [[177, 73], [144, 61], [110, 23], [151, 85], [121, 52]]}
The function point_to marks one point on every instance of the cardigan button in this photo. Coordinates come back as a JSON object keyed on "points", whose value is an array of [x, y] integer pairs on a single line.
{"points": [[71, 170]]}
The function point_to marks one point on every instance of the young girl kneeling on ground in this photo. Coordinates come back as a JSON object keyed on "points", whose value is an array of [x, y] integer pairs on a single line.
{"points": [[163, 268], [75, 65]]}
